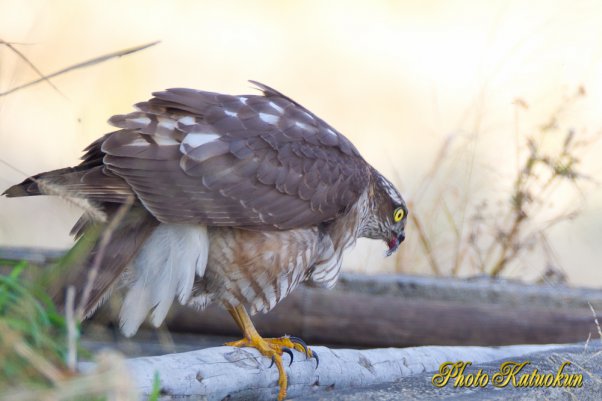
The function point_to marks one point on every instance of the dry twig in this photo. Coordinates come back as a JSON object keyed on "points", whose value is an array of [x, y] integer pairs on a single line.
{"points": [[27, 61], [77, 66]]}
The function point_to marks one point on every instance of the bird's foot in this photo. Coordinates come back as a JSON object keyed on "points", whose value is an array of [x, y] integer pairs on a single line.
{"points": [[274, 348], [290, 342]]}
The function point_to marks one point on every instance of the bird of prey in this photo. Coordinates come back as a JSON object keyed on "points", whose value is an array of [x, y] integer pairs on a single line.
{"points": [[233, 199]]}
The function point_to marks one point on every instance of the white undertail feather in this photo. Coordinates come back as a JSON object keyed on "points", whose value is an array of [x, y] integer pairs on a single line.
{"points": [[165, 268]]}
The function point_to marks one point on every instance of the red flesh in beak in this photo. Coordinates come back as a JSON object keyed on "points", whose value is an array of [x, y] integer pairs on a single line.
{"points": [[392, 244]]}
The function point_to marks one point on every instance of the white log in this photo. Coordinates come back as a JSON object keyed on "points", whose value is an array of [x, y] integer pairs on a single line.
{"points": [[242, 374]]}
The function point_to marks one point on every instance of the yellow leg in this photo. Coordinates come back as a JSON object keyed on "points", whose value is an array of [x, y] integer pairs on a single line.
{"points": [[271, 347]]}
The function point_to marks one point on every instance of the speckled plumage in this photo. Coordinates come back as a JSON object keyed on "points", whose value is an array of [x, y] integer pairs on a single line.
{"points": [[238, 199]]}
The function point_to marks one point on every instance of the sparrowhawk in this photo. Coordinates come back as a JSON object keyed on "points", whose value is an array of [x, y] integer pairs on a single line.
{"points": [[236, 200]]}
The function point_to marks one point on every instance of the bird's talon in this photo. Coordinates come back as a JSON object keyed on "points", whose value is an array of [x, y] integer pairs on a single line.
{"points": [[315, 355], [288, 351], [275, 348], [303, 344]]}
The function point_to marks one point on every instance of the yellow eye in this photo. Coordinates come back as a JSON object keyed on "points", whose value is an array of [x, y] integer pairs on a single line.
{"points": [[398, 214]]}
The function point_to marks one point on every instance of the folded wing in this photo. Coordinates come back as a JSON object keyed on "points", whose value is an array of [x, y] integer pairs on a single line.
{"points": [[261, 162]]}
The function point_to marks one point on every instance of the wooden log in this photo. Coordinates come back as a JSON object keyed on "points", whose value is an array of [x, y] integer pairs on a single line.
{"points": [[243, 374], [398, 310], [343, 317], [39, 256]]}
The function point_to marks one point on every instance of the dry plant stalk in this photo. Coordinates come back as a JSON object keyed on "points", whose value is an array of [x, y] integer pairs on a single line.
{"points": [[13, 340], [492, 238], [105, 238], [110, 380], [596, 320], [91, 212], [87, 63], [27, 61], [72, 333], [537, 179], [424, 241]]}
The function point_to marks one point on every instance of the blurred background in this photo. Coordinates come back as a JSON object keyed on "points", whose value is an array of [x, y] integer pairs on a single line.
{"points": [[486, 114]]}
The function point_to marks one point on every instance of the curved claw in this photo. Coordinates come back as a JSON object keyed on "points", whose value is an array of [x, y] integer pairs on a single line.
{"points": [[315, 355], [288, 351], [308, 353], [302, 343], [284, 350]]}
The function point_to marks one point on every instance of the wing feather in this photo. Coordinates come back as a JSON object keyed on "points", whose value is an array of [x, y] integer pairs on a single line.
{"points": [[261, 162]]}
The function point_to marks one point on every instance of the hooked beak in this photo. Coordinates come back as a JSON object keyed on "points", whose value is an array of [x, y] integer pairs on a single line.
{"points": [[394, 242]]}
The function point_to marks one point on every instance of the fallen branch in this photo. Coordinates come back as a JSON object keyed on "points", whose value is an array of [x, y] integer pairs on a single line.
{"points": [[242, 374]]}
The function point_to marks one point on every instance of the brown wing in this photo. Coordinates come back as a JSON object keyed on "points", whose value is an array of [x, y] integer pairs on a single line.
{"points": [[246, 161]]}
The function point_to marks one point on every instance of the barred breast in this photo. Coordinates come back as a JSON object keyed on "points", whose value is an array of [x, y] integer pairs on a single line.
{"points": [[255, 268], [258, 269]]}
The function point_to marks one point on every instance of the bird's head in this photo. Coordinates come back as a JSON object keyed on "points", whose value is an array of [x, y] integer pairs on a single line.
{"points": [[389, 215]]}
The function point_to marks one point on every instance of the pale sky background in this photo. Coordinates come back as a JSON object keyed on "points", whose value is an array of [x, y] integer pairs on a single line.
{"points": [[398, 78]]}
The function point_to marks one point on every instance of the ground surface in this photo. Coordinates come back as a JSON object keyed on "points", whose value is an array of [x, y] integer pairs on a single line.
{"points": [[419, 387]]}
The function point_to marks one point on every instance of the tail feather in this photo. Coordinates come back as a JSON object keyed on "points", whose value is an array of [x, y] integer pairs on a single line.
{"points": [[124, 244], [30, 187], [90, 183]]}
